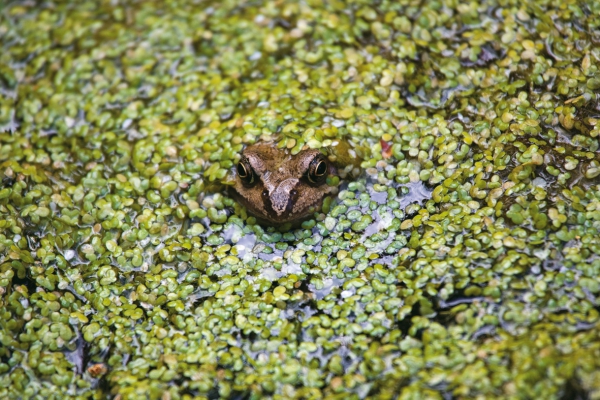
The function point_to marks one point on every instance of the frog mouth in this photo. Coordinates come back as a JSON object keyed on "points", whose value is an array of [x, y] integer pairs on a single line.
{"points": [[289, 214]]}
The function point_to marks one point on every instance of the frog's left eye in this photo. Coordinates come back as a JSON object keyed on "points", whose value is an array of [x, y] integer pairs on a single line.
{"points": [[245, 172], [317, 170]]}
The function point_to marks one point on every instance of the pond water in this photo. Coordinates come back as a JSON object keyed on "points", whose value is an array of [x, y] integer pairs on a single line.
{"points": [[462, 261]]}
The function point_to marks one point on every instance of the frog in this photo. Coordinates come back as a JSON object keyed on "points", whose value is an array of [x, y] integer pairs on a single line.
{"points": [[278, 187]]}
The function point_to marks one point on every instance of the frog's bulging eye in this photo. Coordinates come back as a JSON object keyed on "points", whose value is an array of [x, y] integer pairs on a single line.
{"points": [[321, 168], [245, 173], [317, 171]]}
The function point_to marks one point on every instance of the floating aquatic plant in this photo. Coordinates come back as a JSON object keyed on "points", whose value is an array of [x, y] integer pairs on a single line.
{"points": [[462, 262]]}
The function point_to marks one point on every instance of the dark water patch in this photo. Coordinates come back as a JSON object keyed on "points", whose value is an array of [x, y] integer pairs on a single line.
{"points": [[457, 300], [488, 54], [418, 193], [573, 390], [26, 281], [486, 331], [329, 284]]}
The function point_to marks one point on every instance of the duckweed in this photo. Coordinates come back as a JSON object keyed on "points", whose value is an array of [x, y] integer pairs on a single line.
{"points": [[463, 261]]}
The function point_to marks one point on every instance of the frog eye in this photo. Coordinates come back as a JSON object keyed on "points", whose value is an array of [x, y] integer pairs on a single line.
{"points": [[317, 170], [245, 173]]}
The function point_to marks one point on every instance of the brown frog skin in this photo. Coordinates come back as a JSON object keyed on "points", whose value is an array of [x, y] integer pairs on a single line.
{"points": [[278, 187]]}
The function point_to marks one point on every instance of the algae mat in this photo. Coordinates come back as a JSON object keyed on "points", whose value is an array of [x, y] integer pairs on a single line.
{"points": [[463, 262]]}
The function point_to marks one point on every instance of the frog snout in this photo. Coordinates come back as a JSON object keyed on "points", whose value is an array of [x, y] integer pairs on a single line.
{"points": [[282, 196]]}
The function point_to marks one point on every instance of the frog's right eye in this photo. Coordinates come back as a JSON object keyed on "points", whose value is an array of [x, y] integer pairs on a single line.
{"points": [[246, 173], [317, 170]]}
